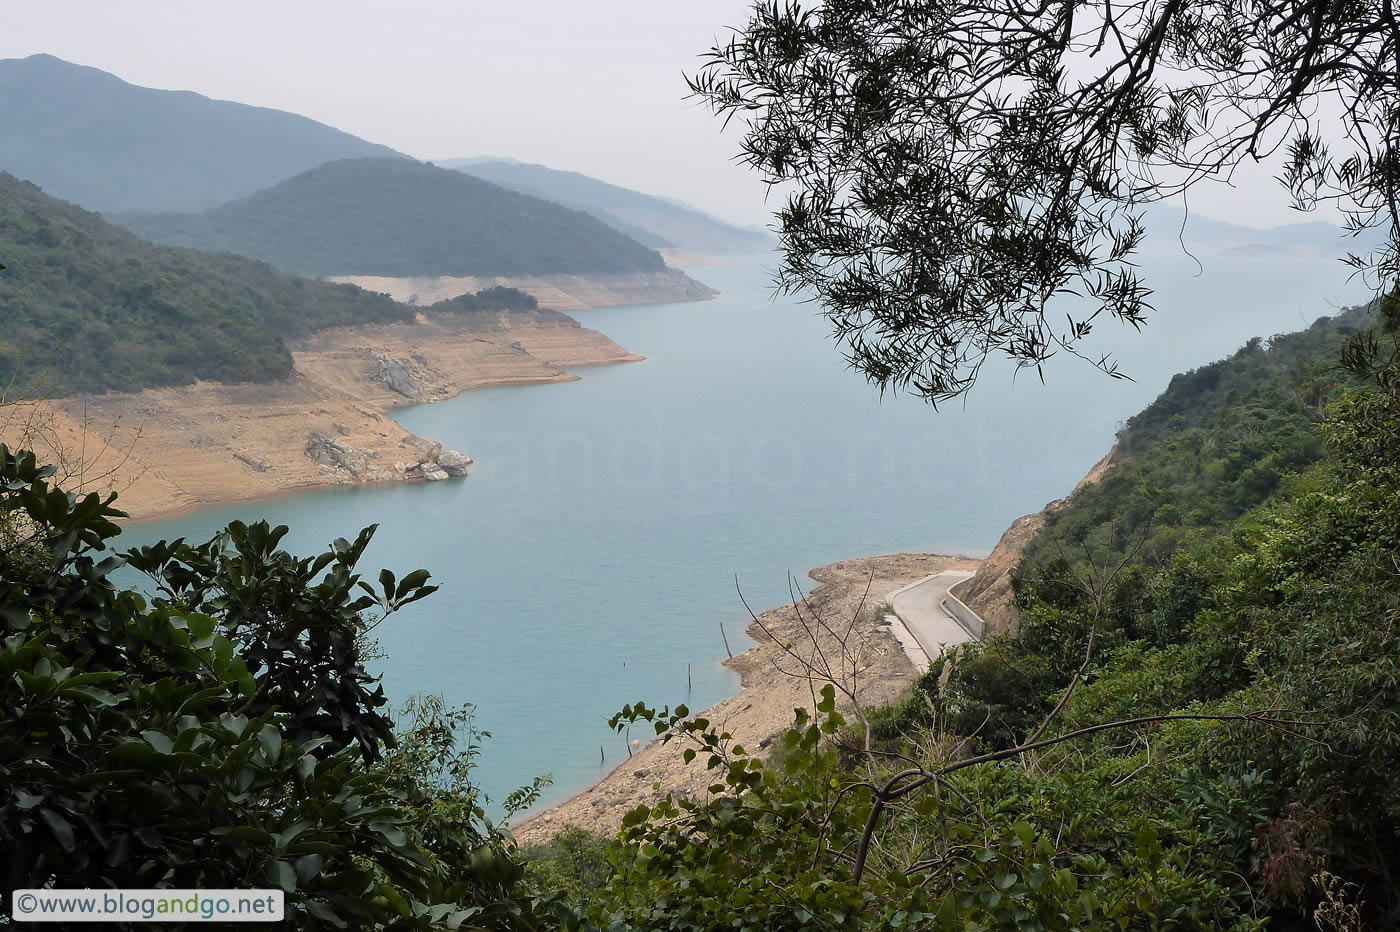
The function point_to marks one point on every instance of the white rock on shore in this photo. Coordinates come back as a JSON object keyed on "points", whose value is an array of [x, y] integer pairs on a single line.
{"points": [[454, 463]]}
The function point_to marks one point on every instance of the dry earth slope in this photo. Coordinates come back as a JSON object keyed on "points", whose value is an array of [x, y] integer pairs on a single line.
{"points": [[988, 591], [170, 449]]}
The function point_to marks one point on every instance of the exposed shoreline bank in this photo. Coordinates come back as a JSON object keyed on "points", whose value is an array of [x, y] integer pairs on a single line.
{"points": [[767, 696], [171, 450], [570, 293]]}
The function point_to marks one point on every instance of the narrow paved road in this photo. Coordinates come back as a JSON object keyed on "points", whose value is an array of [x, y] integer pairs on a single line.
{"points": [[920, 607]]}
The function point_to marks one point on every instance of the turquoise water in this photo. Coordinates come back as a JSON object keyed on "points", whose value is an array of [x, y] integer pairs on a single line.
{"points": [[591, 558]]}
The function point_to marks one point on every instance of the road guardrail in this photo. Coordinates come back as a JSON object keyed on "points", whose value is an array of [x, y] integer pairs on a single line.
{"points": [[964, 616]]}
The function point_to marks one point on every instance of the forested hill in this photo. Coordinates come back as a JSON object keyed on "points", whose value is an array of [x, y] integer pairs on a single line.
{"points": [[394, 217], [91, 138], [1233, 581], [88, 307], [655, 221], [1217, 442]]}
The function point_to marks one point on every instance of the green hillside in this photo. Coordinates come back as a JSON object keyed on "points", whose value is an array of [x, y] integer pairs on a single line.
{"points": [[395, 217], [91, 138], [88, 307], [496, 298], [655, 221], [1220, 440]]}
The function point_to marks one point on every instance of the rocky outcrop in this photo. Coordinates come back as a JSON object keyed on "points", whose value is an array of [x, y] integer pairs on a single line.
{"points": [[395, 375], [325, 450], [988, 591], [432, 463], [428, 449], [453, 463]]}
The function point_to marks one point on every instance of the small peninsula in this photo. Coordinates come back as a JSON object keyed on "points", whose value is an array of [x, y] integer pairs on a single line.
{"points": [[183, 378]]}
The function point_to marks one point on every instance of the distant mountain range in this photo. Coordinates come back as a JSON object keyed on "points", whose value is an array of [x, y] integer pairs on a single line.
{"points": [[89, 137], [88, 307], [401, 218], [1169, 228], [656, 221]]}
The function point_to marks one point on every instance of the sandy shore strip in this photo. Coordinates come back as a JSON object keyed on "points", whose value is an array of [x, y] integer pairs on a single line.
{"points": [[764, 705], [169, 450]]}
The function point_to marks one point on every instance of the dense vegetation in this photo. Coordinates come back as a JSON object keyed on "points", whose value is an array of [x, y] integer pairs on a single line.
{"points": [[655, 221], [386, 216], [224, 733], [1219, 442], [1288, 605], [88, 307], [89, 137], [495, 298], [1216, 443]]}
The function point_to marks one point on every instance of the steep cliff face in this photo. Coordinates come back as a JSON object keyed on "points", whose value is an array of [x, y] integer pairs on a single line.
{"points": [[988, 591]]}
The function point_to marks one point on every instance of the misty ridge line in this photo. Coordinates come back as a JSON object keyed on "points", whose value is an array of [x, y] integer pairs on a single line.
{"points": [[123, 149]]}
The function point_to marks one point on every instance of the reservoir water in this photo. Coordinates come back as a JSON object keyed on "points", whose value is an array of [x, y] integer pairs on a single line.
{"points": [[592, 556]]}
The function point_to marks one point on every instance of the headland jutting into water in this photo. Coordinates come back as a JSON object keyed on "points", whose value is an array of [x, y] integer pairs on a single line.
{"points": [[168, 450]]}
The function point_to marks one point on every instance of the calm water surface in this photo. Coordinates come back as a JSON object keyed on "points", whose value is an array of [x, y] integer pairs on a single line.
{"points": [[591, 558]]}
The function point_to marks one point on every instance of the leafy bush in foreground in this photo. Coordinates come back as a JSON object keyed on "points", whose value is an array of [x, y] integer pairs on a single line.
{"points": [[225, 734]]}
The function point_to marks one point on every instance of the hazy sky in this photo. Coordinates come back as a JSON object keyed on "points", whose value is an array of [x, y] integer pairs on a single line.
{"points": [[594, 86]]}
